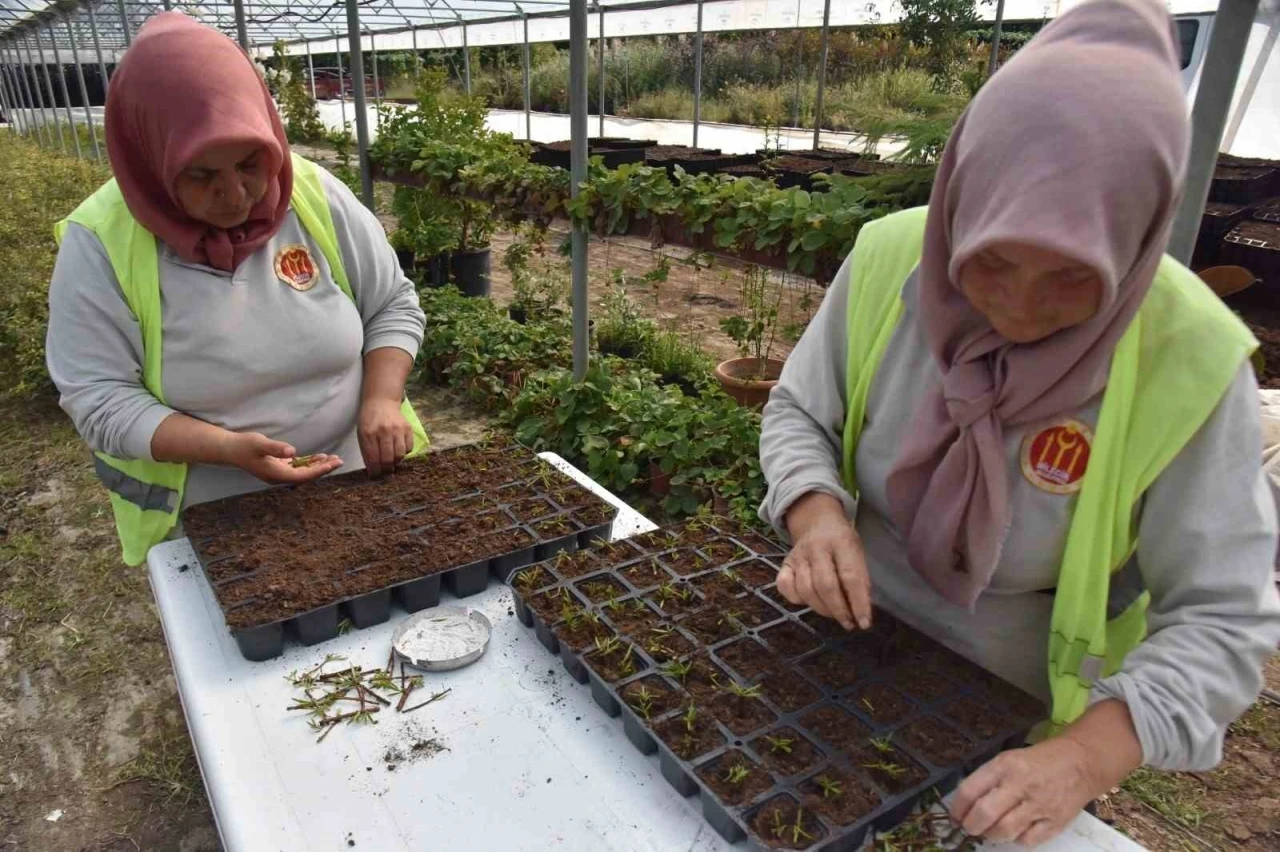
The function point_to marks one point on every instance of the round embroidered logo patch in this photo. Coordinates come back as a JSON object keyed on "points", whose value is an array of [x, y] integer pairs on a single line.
{"points": [[1054, 459], [296, 267]]}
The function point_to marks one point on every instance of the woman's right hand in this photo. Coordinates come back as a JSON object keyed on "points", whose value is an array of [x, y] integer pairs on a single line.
{"points": [[272, 461], [826, 569]]}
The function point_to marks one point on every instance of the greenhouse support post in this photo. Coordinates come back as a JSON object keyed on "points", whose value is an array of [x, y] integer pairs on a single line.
{"points": [[466, 58], [417, 57], [1251, 82], [577, 176], [31, 86], [242, 30], [6, 103], [362, 115], [600, 73], [84, 90], [1218, 75], [48, 90], [822, 73], [15, 94], [377, 87], [994, 61], [168, 5], [342, 89], [697, 76], [528, 115], [66, 95], [124, 23], [311, 69], [97, 46]]}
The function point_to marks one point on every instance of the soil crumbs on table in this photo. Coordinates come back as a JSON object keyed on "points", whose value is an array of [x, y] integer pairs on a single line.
{"points": [[90, 713]]}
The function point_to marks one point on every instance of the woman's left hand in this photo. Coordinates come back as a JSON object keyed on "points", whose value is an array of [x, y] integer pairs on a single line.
{"points": [[385, 436], [1029, 795]]}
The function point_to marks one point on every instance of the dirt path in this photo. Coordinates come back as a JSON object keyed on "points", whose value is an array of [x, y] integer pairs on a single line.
{"points": [[94, 752]]}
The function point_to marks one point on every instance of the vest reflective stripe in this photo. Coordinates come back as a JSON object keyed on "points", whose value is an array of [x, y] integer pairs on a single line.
{"points": [[1168, 373], [146, 496]]}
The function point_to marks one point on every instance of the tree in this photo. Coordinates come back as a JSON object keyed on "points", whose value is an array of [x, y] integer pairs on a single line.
{"points": [[940, 27]]}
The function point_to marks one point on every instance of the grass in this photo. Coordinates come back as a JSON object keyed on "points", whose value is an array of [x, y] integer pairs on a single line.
{"points": [[1167, 794]]}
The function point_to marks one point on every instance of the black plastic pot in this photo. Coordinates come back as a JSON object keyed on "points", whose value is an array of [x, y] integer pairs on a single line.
{"points": [[518, 314], [469, 272], [406, 258], [431, 271]]}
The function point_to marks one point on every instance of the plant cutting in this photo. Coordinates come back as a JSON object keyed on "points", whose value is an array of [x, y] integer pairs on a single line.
{"points": [[749, 377]]}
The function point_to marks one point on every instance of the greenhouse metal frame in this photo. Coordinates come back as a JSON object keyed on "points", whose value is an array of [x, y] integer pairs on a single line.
{"points": [[35, 35]]}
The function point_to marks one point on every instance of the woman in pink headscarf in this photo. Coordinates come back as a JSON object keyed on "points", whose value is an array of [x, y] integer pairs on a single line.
{"points": [[1022, 430], [196, 318]]}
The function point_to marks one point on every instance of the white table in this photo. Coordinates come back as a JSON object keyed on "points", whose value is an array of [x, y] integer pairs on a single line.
{"points": [[532, 763]]}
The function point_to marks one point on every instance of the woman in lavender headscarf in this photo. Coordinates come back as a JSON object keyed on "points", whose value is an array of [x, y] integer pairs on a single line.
{"points": [[1039, 292]]}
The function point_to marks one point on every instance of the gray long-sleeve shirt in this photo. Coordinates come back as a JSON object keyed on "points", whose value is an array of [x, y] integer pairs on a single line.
{"points": [[1206, 527], [244, 351]]}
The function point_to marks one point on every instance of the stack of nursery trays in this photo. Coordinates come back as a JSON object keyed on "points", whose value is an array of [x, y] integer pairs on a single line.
{"points": [[305, 558], [794, 733]]}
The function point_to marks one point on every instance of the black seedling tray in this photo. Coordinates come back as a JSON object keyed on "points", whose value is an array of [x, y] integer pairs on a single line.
{"points": [[888, 714], [1241, 185], [524, 504]]}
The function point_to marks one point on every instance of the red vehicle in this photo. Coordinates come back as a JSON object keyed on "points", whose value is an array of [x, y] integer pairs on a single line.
{"points": [[327, 85]]}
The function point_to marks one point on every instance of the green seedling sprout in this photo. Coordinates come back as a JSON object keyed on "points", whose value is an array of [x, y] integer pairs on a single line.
{"points": [[527, 579], [662, 631], [882, 745], [732, 616], [613, 605], [740, 691], [637, 605], [893, 770], [592, 617], [303, 461], [598, 589], [344, 627], [797, 830], [831, 788], [737, 774], [628, 665], [690, 718], [607, 645], [866, 702], [678, 669], [643, 701], [733, 575], [779, 744], [779, 827], [571, 616]]}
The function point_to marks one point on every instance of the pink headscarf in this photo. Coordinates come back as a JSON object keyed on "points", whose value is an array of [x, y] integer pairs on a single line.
{"points": [[1078, 145], [179, 89]]}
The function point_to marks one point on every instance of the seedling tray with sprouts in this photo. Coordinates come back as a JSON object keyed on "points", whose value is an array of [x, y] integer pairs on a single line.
{"points": [[313, 559], [794, 733]]}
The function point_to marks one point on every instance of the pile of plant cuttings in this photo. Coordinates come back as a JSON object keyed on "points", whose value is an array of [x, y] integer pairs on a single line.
{"points": [[352, 695]]}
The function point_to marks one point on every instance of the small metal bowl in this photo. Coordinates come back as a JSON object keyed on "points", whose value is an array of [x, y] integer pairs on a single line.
{"points": [[442, 638]]}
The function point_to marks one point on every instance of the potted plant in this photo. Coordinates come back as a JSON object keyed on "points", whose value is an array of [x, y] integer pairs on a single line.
{"points": [[750, 377], [622, 331], [423, 239]]}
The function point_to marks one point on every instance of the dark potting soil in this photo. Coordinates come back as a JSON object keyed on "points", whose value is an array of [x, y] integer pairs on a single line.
{"points": [[704, 679], [756, 573], [532, 508], [788, 690], [712, 625], [663, 643], [795, 164], [934, 741], [687, 562], [724, 551], [880, 703], [981, 720], [782, 823], [838, 796], [922, 683], [1269, 340], [580, 633], [740, 713], [834, 726], [747, 657], [762, 545], [689, 742], [697, 533], [753, 612], [594, 516], [631, 616], [777, 597], [789, 639], [645, 575], [1266, 232], [601, 589], [718, 588], [571, 566], [735, 778], [550, 605], [312, 545], [832, 669], [529, 580], [787, 752], [616, 553], [676, 598], [615, 664], [550, 529], [656, 541], [828, 628], [650, 697], [888, 767]]}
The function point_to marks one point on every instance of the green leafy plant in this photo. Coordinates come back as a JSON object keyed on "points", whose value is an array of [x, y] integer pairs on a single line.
{"points": [[778, 745], [831, 789], [690, 718], [755, 329], [737, 773], [740, 691], [678, 669], [297, 107], [882, 745]]}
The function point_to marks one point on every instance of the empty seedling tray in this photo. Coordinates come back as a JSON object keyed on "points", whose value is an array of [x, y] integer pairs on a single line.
{"points": [[312, 559], [794, 733]]}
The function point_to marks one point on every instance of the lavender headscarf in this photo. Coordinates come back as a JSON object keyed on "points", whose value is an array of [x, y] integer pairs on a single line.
{"points": [[1078, 145]]}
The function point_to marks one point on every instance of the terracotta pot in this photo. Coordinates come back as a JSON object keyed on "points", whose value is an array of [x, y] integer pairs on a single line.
{"points": [[747, 380], [659, 482], [719, 505]]}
